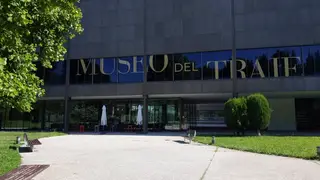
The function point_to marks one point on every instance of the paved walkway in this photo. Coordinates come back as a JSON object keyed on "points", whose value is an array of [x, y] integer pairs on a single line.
{"points": [[134, 157]]}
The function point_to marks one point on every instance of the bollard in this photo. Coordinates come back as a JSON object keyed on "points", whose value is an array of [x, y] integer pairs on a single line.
{"points": [[318, 151], [213, 140], [18, 140]]}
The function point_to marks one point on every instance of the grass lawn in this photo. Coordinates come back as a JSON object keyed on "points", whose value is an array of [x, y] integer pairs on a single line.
{"points": [[10, 159], [291, 146]]}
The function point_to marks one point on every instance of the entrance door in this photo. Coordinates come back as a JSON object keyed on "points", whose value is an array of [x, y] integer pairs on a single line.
{"points": [[163, 115], [156, 118], [307, 114]]}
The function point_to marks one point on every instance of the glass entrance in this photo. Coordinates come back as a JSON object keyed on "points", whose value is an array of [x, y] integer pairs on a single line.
{"points": [[122, 115], [205, 116], [164, 115], [156, 120]]}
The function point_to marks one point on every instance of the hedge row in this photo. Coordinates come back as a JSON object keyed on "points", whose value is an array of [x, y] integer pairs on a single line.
{"points": [[248, 113]]}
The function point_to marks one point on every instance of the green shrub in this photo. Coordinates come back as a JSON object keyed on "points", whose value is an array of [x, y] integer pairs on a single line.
{"points": [[235, 110], [259, 112]]}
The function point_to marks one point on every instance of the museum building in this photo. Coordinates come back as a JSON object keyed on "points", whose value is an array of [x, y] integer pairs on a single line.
{"points": [[176, 58]]}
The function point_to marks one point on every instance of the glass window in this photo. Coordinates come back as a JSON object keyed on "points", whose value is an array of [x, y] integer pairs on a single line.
{"points": [[160, 68], [216, 65], [274, 63], [311, 60], [130, 69], [81, 71], [87, 113], [290, 62], [204, 115], [56, 75], [187, 66], [106, 71], [252, 63], [285, 62], [12, 119], [40, 70], [54, 115], [16, 120]]}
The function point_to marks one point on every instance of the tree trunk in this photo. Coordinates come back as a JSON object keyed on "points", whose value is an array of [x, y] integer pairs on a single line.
{"points": [[258, 132]]}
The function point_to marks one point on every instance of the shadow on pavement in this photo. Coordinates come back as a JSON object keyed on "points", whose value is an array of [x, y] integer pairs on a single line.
{"points": [[180, 142]]}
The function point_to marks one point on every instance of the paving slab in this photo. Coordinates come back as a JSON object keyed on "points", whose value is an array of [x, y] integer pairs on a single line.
{"points": [[236, 165], [153, 157]]}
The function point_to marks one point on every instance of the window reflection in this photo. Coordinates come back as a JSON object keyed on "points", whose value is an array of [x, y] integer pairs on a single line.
{"points": [[216, 65], [85, 113], [56, 75], [12, 119], [290, 62], [54, 114], [252, 64], [274, 63], [130, 69], [187, 66], [81, 71], [40, 70], [311, 59], [106, 71], [160, 68]]}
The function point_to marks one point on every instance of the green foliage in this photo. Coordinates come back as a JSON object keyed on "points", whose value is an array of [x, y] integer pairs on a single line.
{"points": [[84, 112], [32, 30], [236, 113], [252, 112], [259, 112]]}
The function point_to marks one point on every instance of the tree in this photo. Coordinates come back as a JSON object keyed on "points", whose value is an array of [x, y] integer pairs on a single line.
{"points": [[259, 112], [236, 114], [32, 30]]}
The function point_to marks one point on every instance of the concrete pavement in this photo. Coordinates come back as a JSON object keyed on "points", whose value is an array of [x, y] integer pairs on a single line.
{"points": [[131, 157]]}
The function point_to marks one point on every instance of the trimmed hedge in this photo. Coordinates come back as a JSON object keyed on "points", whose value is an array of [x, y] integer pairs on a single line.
{"points": [[243, 113], [235, 114], [259, 112]]}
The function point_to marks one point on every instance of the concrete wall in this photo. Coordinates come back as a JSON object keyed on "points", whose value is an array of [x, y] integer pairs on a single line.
{"points": [[273, 87], [283, 116], [271, 23], [116, 27]]}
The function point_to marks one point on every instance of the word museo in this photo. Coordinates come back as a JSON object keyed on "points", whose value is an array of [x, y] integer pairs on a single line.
{"points": [[132, 67]]}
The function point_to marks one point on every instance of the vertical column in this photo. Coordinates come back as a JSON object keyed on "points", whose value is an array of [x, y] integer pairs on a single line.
{"points": [[181, 114], [164, 115], [66, 93], [145, 69], [145, 114], [234, 55]]}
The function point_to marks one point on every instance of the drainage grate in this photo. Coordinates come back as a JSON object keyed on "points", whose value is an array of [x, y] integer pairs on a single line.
{"points": [[24, 172]]}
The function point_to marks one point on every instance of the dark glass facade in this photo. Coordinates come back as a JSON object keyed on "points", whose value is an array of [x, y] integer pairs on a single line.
{"points": [[164, 114], [251, 63], [307, 114], [46, 115]]}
